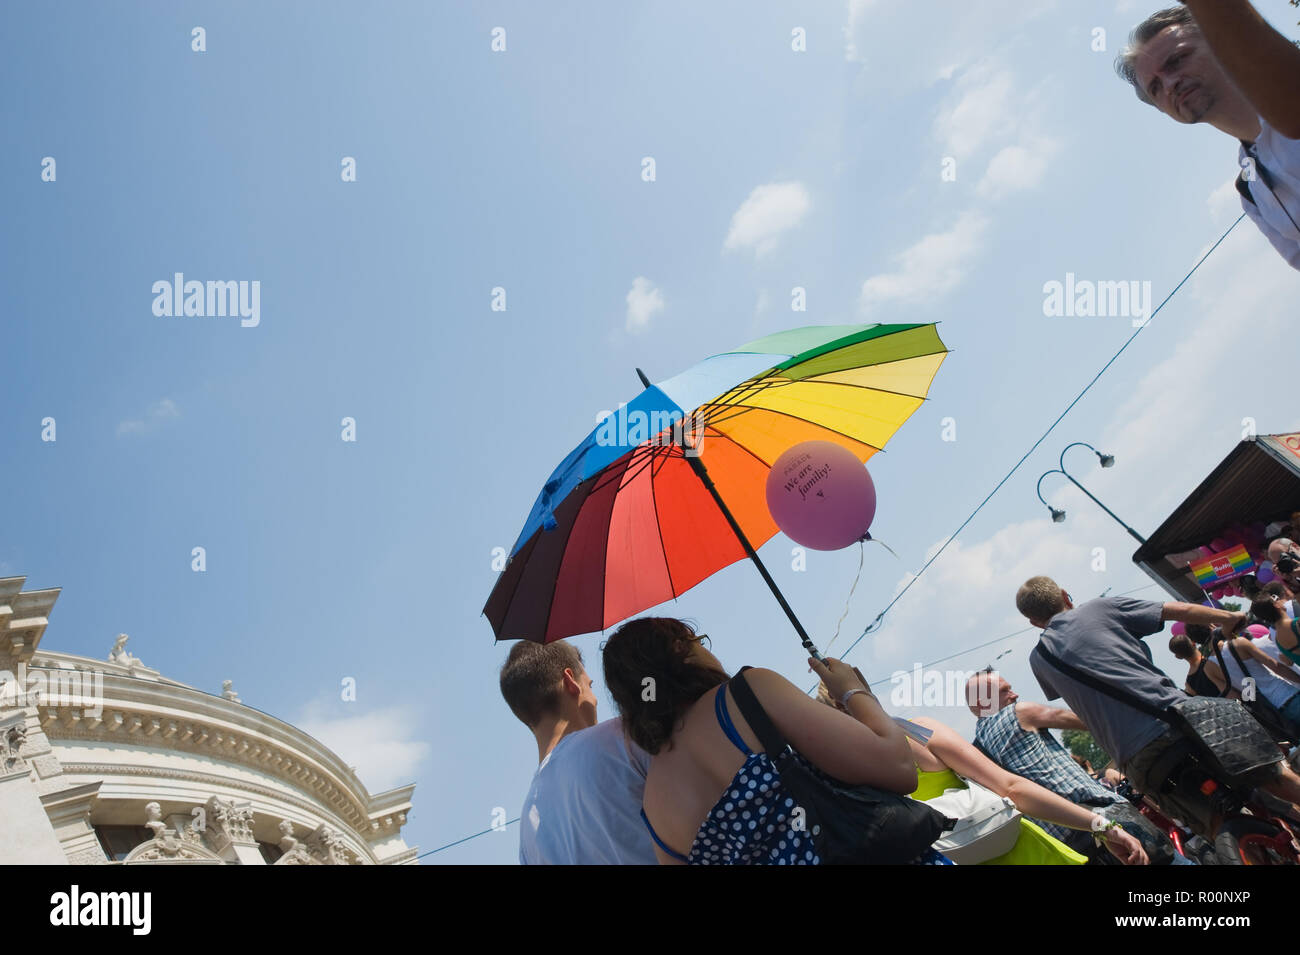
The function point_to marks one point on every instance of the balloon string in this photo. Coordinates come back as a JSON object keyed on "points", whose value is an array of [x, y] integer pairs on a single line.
{"points": [[848, 600], [882, 544]]}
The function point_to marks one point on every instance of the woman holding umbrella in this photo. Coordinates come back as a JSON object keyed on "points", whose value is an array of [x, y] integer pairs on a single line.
{"points": [[712, 795]]}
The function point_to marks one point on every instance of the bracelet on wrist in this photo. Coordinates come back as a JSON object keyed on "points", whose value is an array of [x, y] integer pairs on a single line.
{"points": [[1099, 832], [844, 700]]}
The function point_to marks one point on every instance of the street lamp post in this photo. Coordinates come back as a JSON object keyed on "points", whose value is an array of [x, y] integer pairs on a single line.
{"points": [[1107, 460]]}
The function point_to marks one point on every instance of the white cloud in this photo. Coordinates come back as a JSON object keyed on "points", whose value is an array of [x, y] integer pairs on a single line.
{"points": [[1164, 446], [903, 46], [1237, 292], [644, 300], [982, 107], [377, 743], [770, 210], [162, 411], [1017, 168], [930, 268], [1225, 204], [857, 16]]}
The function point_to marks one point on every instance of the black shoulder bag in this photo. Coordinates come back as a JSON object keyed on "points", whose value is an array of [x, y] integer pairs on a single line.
{"points": [[1229, 749], [849, 825]]}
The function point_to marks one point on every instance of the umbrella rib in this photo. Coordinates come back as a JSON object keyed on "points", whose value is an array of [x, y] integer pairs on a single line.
{"points": [[659, 530], [550, 599], [823, 427], [739, 403]]}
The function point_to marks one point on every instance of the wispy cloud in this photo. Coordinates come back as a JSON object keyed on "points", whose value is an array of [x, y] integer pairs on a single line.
{"points": [[644, 301], [377, 742], [1148, 431], [1017, 168], [902, 48], [930, 268], [979, 110], [155, 417], [770, 210]]}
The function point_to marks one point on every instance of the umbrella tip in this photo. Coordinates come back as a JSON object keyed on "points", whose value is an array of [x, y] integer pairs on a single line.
{"points": [[644, 380]]}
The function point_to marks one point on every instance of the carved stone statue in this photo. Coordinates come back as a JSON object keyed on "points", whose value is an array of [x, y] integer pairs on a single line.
{"points": [[12, 739], [155, 823], [120, 654], [287, 842]]}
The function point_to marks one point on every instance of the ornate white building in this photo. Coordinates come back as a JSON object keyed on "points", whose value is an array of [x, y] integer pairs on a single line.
{"points": [[109, 761]]}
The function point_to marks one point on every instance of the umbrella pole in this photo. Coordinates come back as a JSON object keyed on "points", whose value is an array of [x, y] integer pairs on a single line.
{"points": [[697, 465]]}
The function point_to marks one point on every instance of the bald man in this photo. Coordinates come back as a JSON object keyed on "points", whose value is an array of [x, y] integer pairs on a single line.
{"points": [[1014, 733]]}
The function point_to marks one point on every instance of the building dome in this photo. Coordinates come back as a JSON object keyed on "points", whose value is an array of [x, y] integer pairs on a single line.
{"points": [[109, 761]]}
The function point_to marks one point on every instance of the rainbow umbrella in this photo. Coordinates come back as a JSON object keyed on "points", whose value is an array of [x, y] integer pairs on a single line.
{"points": [[670, 489]]}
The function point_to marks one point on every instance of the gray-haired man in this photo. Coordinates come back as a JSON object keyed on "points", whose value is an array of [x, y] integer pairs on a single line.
{"points": [[1219, 62]]}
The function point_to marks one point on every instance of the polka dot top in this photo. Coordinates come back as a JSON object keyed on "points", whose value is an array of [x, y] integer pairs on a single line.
{"points": [[749, 824]]}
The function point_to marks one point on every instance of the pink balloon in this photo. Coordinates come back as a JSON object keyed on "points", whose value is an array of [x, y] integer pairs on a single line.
{"points": [[1256, 630], [1179, 629], [821, 496]]}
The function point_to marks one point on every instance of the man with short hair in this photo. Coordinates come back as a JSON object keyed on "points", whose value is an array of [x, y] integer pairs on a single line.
{"points": [[1219, 62], [584, 804], [1015, 734], [1100, 640]]}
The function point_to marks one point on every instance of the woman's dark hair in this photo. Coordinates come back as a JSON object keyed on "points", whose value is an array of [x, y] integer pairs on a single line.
{"points": [[1181, 646], [650, 679], [1264, 611]]}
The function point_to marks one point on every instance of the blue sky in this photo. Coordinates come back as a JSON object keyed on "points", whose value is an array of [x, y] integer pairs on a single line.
{"points": [[521, 169]]}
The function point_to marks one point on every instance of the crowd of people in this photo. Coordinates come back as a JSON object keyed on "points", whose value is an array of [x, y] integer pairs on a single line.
{"points": [[681, 775]]}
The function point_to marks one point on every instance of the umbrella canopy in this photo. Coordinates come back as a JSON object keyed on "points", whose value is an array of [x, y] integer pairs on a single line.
{"points": [[625, 523]]}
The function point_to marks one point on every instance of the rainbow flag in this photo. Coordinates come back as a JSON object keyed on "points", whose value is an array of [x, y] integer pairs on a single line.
{"points": [[1223, 566]]}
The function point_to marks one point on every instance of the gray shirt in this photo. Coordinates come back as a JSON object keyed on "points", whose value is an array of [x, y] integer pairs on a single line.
{"points": [[1103, 638]]}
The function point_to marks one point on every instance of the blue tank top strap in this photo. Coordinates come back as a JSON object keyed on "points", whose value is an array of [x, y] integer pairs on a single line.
{"points": [[724, 720], [659, 842]]}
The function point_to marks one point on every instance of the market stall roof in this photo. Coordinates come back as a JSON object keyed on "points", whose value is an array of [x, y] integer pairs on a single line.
{"points": [[1258, 480]]}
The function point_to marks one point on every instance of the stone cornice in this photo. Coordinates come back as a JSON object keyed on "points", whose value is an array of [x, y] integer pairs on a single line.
{"points": [[170, 716], [23, 619], [211, 781]]}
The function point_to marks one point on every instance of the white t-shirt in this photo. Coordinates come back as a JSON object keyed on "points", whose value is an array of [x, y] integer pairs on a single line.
{"points": [[1275, 208], [1267, 683], [584, 806]]}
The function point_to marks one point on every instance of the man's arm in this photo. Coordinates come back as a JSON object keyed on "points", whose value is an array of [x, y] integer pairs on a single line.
{"points": [[1036, 716], [1263, 63], [1205, 616]]}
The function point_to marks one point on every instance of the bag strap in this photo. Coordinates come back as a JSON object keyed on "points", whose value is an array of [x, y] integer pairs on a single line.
{"points": [[773, 742], [1227, 677], [1233, 650], [1115, 693]]}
